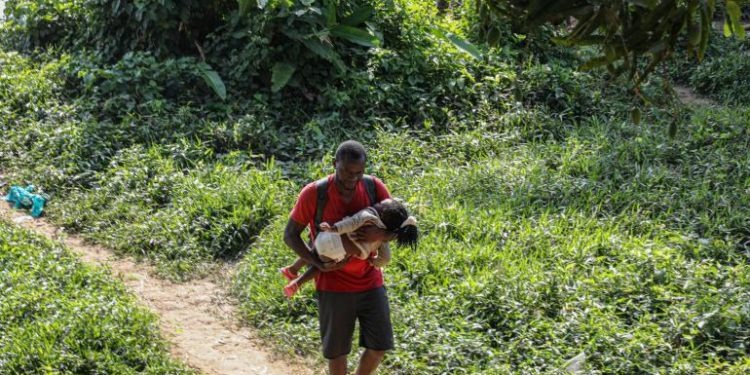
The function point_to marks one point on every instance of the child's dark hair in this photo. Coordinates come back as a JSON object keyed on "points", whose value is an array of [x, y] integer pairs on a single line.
{"points": [[393, 214]]}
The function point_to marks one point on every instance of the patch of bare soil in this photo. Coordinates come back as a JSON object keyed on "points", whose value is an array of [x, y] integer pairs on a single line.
{"points": [[688, 97]]}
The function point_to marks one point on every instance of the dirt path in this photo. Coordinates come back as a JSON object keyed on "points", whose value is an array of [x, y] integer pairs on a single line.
{"points": [[197, 317], [689, 97]]}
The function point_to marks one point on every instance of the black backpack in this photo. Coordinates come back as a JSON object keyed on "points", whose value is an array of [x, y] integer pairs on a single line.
{"points": [[322, 186]]}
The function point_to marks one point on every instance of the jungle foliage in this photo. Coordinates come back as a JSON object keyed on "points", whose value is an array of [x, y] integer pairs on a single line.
{"points": [[553, 224]]}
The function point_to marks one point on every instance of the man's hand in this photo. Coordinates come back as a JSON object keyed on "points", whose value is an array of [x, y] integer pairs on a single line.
{"points": [[371, 233], [333, 266], [325, 227]]}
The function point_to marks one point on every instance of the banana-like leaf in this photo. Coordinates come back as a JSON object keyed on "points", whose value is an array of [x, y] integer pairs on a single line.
{"points": [[280, 75], [330, 11], [733, 22], [213, 80], [355, 35], [359, 16], [325, 51], [460, 43]]}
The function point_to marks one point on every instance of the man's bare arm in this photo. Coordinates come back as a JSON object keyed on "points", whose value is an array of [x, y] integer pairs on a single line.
{"points": [[293, 239]]}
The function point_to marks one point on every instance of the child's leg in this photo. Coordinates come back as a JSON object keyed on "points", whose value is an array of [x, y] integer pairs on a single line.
{"points": [[292, 272], [297, 265], [309, 274], [294, 285]]}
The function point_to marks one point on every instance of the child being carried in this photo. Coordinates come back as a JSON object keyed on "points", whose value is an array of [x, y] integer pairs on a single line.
{"points": [[333, 246]]}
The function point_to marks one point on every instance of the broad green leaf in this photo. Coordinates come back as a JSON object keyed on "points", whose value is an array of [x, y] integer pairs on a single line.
{"points": [[635, 115], [359, 15], [727, 29], [355, 35], [493, 36], [325, 51], [213, 80], [330, 12], [694, 33], [464, 45], [246, 5], [280, 75], [649, 4], [594, 63], [706, 18], [458, 42], [672, 131], [734, 20]]}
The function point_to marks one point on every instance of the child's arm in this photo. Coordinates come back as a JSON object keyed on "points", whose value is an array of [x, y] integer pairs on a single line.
{"points": [[354, 222], [384, 256]]}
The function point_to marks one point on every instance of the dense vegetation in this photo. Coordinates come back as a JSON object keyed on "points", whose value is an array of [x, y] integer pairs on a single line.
{"points": [[724, 73], [553, 224], [60, 316]]}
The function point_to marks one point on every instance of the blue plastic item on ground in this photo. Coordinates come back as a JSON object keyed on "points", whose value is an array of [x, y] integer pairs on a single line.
{"points": [[25, 198]]}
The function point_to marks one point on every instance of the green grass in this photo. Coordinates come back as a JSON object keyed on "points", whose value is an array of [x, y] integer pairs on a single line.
{"points": [[60, 316], [613, 240], [146, 205], [723, 73], [552, 225]]}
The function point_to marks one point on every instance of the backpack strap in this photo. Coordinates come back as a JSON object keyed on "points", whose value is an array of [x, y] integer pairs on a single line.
{"points": [[322, 190], [320, 205], [370, 187]]}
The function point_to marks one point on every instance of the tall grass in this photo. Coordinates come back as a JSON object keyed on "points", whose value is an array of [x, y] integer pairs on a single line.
{"points": [[146, 205], [612, 240], [552, 226]]}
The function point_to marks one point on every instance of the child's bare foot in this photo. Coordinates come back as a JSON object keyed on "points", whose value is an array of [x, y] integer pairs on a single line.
{"points": [[291, 289], [287, 273]]}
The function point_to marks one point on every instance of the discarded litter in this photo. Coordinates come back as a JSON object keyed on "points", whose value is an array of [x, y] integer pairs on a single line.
{"points": [[22, 219], [25, 198], [575, 364]]}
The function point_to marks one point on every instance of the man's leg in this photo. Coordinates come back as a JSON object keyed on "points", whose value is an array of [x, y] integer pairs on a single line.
{"points": [[337, 315], [375, 330], [337, 366], [370, 361]]}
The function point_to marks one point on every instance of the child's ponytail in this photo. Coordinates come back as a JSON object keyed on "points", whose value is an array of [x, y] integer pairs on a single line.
{"points": [[397, 220], [407, 235]]}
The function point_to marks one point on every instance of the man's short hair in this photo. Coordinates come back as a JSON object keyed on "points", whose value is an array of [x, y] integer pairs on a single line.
{"points": [[351, 151]]}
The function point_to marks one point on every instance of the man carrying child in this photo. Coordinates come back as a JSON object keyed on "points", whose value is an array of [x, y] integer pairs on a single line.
{"points": [[353, 289]]}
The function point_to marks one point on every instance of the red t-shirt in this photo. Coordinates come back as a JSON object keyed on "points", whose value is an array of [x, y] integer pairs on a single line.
{"points": [[358, 275]]}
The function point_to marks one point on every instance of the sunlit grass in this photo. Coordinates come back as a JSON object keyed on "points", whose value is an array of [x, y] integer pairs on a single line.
{"points": [[613, 241], [58, 315]]}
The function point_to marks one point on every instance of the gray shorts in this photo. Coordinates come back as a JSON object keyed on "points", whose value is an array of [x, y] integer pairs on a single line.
{"points": [[337, 312]]}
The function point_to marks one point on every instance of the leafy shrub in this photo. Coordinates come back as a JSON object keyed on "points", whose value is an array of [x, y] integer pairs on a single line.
{"points": [[46, 23], [137, 83], [144, 203], [168, 29]]}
